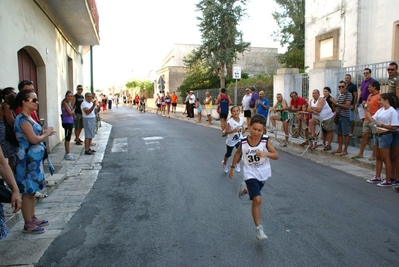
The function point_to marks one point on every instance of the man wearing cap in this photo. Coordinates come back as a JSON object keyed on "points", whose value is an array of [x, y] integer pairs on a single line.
{"points": [[245, 105], [191, 101]]}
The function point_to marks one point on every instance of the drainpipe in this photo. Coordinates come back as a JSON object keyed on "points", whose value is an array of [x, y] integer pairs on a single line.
{"points": [[91, 69]]}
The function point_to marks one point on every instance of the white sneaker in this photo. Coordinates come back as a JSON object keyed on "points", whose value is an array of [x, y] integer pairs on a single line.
{"points": [[272, 130], [225, 168], [259, 233], [242, 192], [69, 157], [238, 168]]}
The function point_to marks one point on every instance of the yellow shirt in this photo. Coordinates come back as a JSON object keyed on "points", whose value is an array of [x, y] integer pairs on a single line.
{"points": [[209, 106]]}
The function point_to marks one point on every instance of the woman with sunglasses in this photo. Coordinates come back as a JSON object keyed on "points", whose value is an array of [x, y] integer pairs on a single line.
{"points": [[29, 172]]}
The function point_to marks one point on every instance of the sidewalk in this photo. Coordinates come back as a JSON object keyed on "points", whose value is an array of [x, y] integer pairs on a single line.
{"points": [[76, 178]]}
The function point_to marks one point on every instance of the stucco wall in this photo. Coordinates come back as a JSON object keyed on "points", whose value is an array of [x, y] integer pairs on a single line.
{"points": [[24, 25], [366, 29], [323, 17], [376, 20]]}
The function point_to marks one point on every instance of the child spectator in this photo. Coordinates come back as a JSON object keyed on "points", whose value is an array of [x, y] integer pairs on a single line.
{"points": [[199, 109], [305, 118]]}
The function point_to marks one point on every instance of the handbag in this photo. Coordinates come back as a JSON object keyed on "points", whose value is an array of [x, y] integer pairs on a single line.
{"points": [[336, 118], [5, 194], [10, 134]]}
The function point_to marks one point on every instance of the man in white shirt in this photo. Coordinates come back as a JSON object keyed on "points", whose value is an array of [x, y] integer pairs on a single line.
{"points": [[191, 100], [89, 121], [245, 105]]}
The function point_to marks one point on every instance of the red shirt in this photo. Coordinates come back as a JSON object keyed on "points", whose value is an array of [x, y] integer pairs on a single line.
{"points": [[299, 102]]}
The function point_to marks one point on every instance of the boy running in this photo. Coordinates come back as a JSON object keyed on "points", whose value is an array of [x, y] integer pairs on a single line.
{"points": [[256, 150]]}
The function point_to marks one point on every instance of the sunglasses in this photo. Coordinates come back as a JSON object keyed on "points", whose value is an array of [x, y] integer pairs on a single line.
{"points": [[390, 69], [341, 86], [27, 82], [34, 100]]}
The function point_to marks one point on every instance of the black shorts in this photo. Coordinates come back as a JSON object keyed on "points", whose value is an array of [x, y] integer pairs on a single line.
{"points": [[174, 104], [68, 130], [247, 113], [223, 116]]}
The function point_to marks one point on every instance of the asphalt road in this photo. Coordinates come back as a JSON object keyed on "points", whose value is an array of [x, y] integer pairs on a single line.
{"points": [[162, 199]]}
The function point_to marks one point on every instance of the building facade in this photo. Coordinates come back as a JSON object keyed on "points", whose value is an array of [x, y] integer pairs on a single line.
{"points": [[44, 41], [352, 32]]}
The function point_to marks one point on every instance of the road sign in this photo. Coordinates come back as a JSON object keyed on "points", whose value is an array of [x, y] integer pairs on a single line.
{"points": [[237, 73]]}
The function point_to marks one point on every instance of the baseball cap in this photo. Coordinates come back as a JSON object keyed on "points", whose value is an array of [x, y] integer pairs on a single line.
{"points": [[191, 91]]}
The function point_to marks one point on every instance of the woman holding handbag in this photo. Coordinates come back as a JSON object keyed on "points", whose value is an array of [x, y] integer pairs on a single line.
{"points": [[29, 172]]}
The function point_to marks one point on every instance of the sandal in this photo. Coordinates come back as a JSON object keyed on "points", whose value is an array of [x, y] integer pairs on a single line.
{"points": [[326, 148], [40, 195], [356, 157], [92, 150], [32, 228], [89, 152], [38, 222], [315, 145], [336, 151], [304, 143], [50, 183], [343, 153]]}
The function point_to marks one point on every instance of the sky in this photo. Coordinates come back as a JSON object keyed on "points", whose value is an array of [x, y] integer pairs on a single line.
{"points": [[135, 36]]}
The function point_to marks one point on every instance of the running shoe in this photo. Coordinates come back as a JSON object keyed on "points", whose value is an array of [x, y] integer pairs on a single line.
{"points": [[224, 166], [242, 192], [259, 233]]}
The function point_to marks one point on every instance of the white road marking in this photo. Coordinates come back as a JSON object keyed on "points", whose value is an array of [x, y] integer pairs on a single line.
{"points": [[151, 143], [153, 138]]}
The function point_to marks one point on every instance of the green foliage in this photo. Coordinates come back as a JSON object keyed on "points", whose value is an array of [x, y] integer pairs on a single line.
{"points": [[143, 86], [262, 82], [258, 79], [221, 41], [291, 32], [293, 58]]}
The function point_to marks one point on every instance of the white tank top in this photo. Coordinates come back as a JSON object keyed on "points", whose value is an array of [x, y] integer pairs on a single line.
{"points": [[325, 113], [234, 138], [255, 167]]}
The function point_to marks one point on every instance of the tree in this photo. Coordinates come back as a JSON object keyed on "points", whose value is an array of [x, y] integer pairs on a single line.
{"points": [[144, 86], [291, 32], [199, 74], [221, 41]]}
